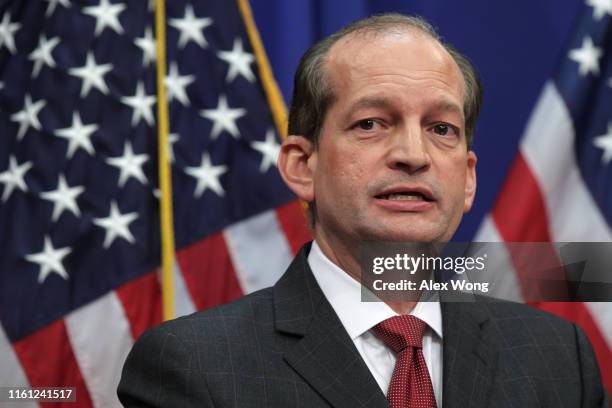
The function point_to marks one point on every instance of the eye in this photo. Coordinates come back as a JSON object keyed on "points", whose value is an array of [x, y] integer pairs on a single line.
{"points": [[366, 124], [444, 129]]}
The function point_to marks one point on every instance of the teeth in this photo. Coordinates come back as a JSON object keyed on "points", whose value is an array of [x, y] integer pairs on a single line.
{"points": [[405, 197]]}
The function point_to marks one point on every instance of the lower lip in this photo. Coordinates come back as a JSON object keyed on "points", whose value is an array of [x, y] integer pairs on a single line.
{"points": [[406, 205]]}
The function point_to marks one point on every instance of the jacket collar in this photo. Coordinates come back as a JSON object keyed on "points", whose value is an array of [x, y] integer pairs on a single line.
{"points": [[469, 360], [324, 356], [327, 359]]}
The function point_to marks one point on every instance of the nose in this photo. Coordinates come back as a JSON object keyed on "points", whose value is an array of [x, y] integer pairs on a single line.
{"points": [[408, 150]]}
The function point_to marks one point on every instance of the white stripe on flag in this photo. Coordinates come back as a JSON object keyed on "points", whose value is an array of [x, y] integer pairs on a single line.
{"points": [[602, 314], [259, 250], [101, 339], [548, 148], [182, 298], [11, 373], [500, 270]]}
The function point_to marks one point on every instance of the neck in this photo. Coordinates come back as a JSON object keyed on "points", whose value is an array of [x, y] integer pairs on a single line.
{"points": [[346, 257]]}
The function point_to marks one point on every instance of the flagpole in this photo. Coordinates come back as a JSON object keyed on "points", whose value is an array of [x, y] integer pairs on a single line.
{"points": [[273, 94], [165, 179]]}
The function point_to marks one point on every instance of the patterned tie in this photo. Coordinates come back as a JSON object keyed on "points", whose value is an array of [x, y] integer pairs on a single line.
{"points": [[410, 385]]}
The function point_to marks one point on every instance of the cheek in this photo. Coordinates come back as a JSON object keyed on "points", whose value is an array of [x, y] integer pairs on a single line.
{"points": [[453, 172], [341, 179]]}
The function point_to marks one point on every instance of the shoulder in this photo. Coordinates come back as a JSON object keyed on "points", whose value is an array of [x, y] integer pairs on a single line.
{"points": [[523, 330], [510, 322], [165, 365], [515, 319], [544, 347], [513, 325], [221, 321]]}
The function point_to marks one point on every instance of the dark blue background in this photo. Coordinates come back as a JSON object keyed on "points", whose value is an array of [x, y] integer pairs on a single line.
{"points": [[516, 46]]}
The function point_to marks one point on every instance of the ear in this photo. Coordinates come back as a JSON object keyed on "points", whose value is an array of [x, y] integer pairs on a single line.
{"points": [[470, 181], [296, 162]]}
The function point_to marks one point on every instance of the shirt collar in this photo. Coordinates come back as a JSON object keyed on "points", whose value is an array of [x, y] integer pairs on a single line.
{"points": [[344, 294]]}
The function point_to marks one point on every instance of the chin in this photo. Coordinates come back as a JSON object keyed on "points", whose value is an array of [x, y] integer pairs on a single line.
{"points": [[402, 235]]}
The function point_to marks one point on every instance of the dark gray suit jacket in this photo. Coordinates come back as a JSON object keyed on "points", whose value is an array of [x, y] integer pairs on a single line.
{"points": [[285, 347]]}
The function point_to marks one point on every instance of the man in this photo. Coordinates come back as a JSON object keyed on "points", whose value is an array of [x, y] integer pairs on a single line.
{"points": [[380, 131]]}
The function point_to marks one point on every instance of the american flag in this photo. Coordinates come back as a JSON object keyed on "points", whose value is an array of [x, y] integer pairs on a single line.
{"points": [[559, 188], [79, 209]]}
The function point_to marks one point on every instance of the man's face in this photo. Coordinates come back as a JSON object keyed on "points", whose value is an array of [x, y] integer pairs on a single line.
{"points": [[392, 162]]}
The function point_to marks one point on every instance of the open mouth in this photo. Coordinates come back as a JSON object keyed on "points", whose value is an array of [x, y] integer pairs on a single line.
{"points": [[405, 196]]}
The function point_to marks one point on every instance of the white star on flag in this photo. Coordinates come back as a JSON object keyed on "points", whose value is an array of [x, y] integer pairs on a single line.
{"points": [[50, 260], [116, 225], [92, 74], [106, 15], [42, 54], [7, 31], [63, 198], [587, 57], [207, 176], [14, 177], [600, 8], [269, 149], [610, 82], [28, 116], [239, 62], [605, 142], [191, 27], [176, 84], [78, 135], [129, 165], [53, 4], [141, 105], [147, 45], [224, 118]]}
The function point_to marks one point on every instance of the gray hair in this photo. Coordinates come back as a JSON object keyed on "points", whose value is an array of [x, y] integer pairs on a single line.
{"points": [[312, 93]]}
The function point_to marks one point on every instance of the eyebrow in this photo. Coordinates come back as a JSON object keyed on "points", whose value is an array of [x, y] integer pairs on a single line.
{"points": [[445, 105], [367, 102], [372, 102], [440, 105]]}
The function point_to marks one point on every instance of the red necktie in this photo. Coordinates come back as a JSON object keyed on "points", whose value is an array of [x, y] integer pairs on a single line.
{"points": [[410, 385]]}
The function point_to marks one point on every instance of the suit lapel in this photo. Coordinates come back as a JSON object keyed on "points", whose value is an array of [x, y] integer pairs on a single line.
{"points": [[469, 362], [325, 356], [327, 359]]}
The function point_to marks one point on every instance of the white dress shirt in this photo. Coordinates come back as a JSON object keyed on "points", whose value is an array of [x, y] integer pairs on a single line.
{"points": [[344, 294]]}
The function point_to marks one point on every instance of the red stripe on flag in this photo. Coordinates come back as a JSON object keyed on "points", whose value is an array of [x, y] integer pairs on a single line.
{"points": [[48, 361], [579, 314], [292, 219], [520, 213], [141, 299], [208, 272], [520, 216]]}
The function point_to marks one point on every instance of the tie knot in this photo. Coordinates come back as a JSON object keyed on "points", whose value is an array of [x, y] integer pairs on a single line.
{"points": [[399, 332]]}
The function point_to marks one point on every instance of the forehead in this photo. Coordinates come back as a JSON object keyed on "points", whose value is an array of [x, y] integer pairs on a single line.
{"points": [[405, 56]]}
